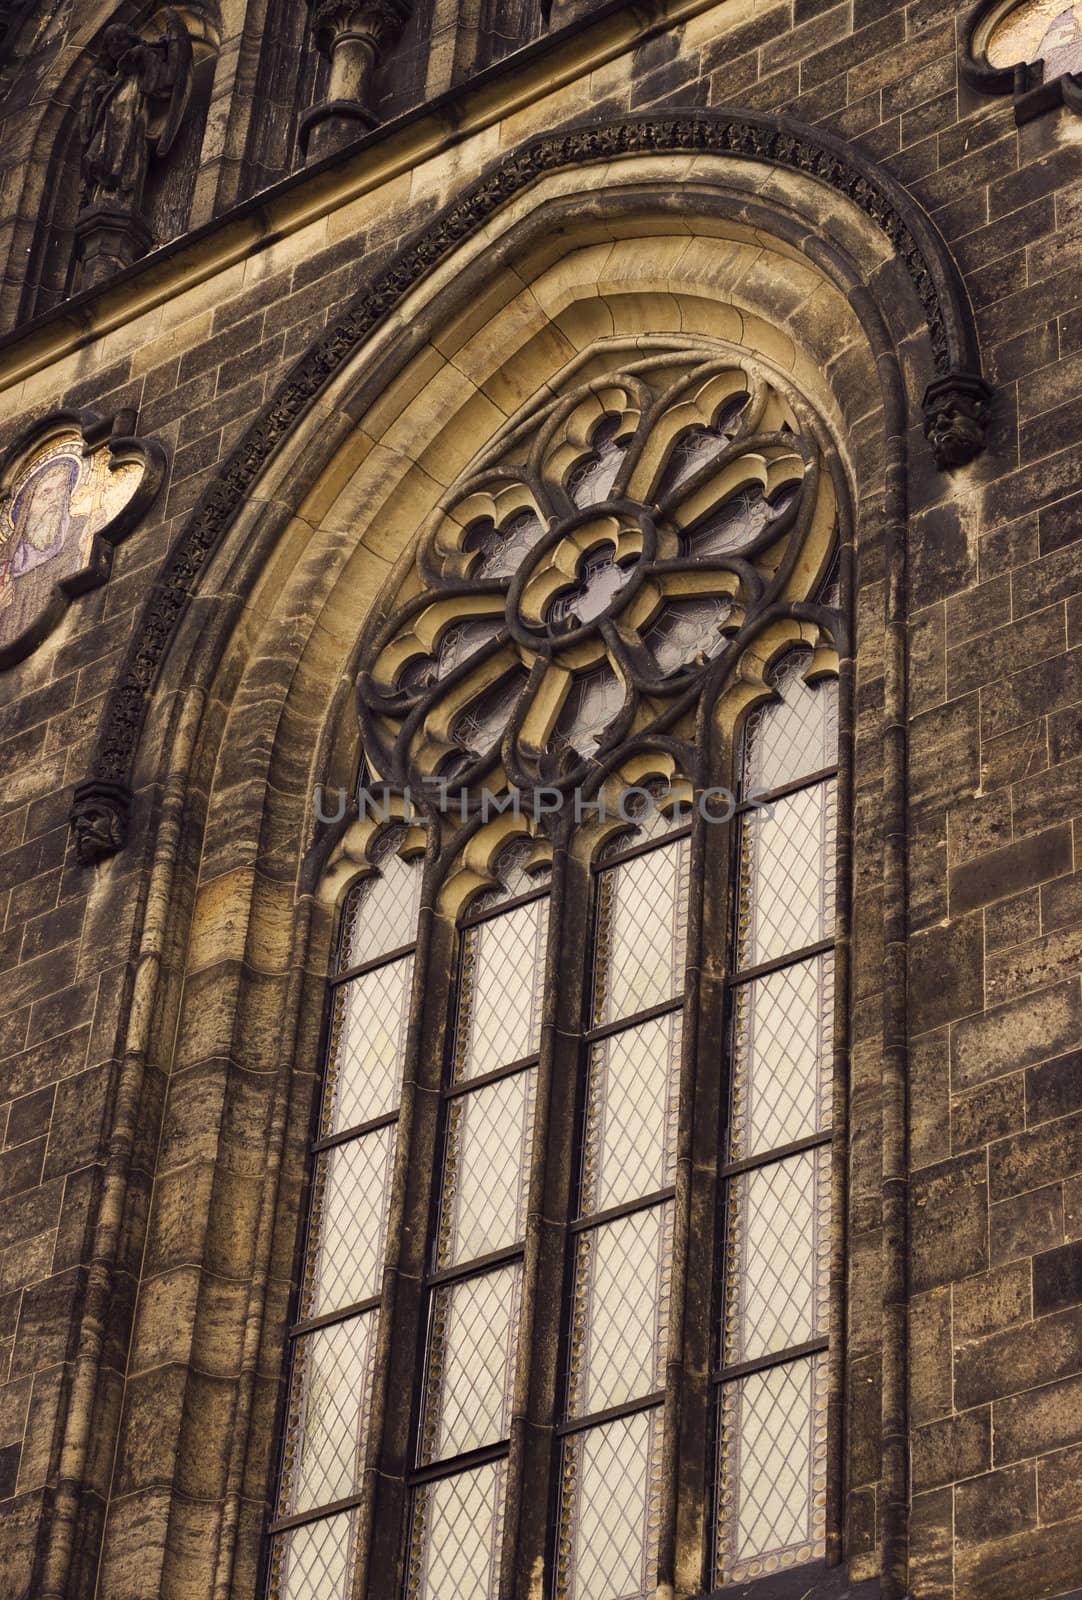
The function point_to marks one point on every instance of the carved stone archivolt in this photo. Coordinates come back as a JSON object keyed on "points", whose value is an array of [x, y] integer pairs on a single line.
{"points": [[603, 569], [923, 260]]}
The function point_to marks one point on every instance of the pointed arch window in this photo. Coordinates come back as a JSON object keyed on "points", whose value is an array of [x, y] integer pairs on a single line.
{"points": [[569, 1327]]}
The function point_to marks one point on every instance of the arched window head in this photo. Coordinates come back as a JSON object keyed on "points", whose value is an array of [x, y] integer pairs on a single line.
{"points": [[605, 563], [577, 1114]]}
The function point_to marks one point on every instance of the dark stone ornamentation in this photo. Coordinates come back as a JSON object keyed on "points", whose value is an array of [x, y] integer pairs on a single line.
{"points": [[132, 108], [956, 412], [924, 258], [99, 819], [354, 35]]}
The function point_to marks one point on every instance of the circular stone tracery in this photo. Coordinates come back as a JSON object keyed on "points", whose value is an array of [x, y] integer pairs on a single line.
{"points": [[605, 559]]}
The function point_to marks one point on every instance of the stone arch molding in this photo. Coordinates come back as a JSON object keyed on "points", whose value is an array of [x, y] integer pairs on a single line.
{"points": [[771, 176]]}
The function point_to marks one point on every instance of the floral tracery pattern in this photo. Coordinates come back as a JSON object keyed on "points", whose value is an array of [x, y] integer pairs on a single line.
{"points": [[603, 561]]}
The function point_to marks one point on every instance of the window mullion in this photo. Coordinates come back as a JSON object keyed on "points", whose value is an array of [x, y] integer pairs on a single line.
{"points": [[533, 1467], [381, 1568]]}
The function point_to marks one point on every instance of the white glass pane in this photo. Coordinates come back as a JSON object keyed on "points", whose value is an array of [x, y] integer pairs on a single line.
{"points": [[368, 1037], [620, 1316], [486, 1169], [503, 969], [629, 1149], [349, 1214], [642, 932], [772, 1492], [783, 1042], [381, 913], [471, 1364], [610, 1511], [793, 737], [457, 1528], [331, 1387], [315, 1561], [787, 868], [779, 1256]]}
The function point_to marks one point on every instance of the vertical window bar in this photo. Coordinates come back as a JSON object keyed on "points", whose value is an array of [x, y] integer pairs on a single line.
{"points": [[773, 1379]]}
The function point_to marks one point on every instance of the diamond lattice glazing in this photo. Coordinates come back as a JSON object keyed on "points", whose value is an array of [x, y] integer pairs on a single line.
{"points": [[349, 1216], [620, 1313], [778, 1252], [642, 932], [787, 876], [629, 1147], [773, 1470], [783, 1039], [471, 1363], [314, 1561], [486, 1168], [331, 1385], [794, 736], [610, 1511], [368, 1036], [503, 968], [381, 913], [455, 1536]]}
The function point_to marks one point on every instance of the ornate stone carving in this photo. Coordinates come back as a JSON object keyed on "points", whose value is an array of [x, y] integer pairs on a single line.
{"points": [[134, 102], [353, 35], [956, 413], [70, 490], [99, 819], [923, 257], [598, 571]]}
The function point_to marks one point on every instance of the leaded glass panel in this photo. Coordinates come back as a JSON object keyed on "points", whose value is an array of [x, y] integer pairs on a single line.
{"points": [[773, 1445], [610, 1508], [332, 1378], [455, 1538], [381, 912], [351, 1200], [368, 1034], [788, 899], [783, 1040], [620, 1313], [314, 1561], [502, 974], [629, 1147], [641, 932], [795, 736], [486, 1167], [471, 1363], [778, 1246]]}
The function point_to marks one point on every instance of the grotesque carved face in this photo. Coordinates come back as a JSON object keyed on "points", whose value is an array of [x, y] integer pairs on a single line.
{"points": [[955, 431], [98, 831]]}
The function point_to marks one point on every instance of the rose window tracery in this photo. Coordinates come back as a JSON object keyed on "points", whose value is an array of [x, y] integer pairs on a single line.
{"points": [[604, 561]]}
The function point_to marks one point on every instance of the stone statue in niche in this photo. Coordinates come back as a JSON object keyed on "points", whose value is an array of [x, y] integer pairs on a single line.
{"points": [[66, 497], [132, 109]]}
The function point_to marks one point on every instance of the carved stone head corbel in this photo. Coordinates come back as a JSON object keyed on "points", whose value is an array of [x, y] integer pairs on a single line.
{"points": [[956, 412]]}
